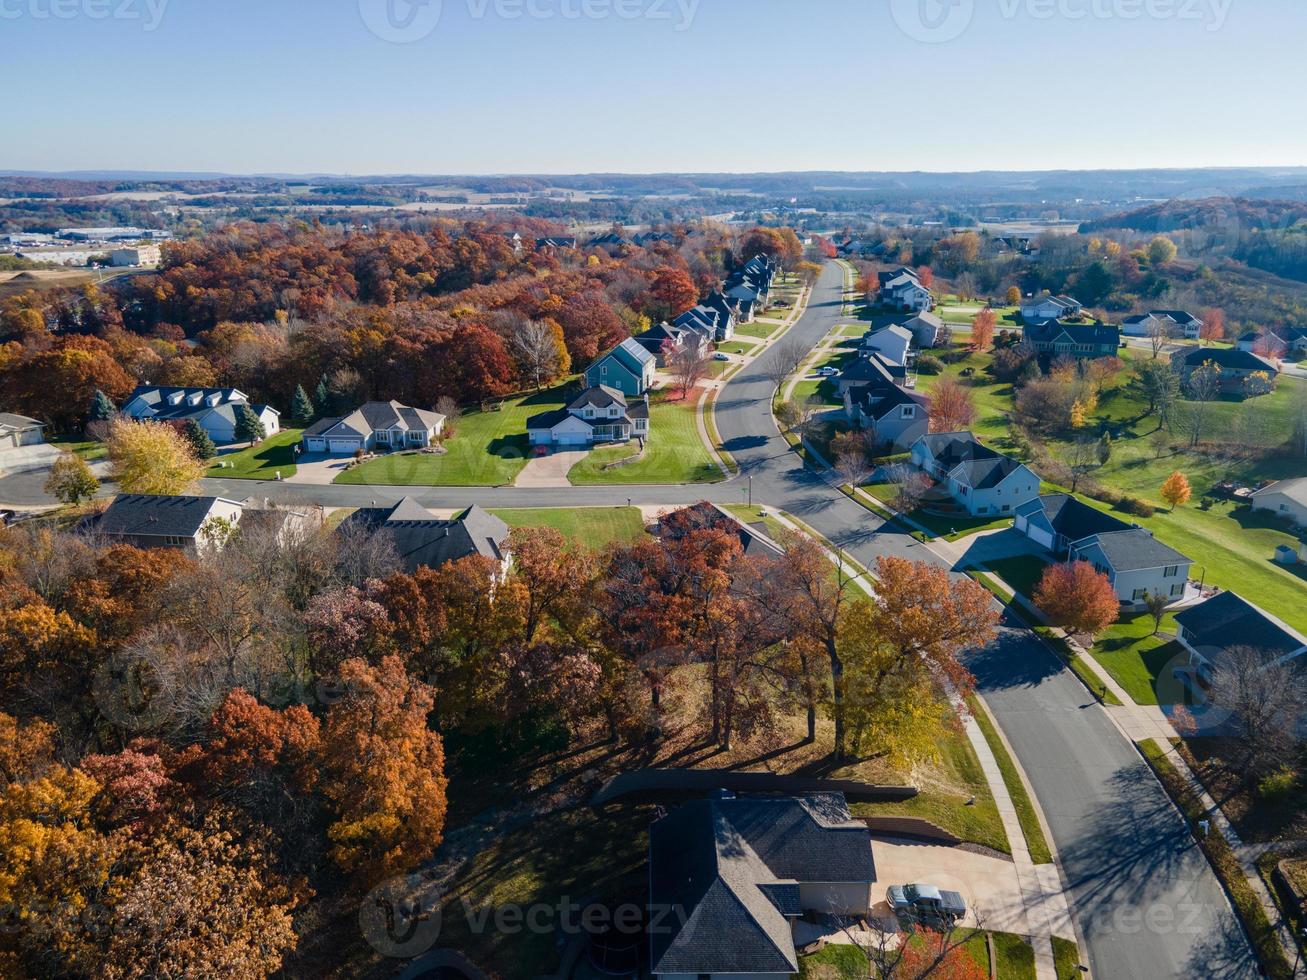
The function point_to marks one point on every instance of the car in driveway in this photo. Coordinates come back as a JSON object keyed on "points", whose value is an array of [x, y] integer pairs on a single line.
{"points": [[827, 372], [721, 356], [926, 903]]}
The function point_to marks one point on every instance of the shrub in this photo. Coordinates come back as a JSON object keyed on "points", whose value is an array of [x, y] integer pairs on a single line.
{"points": [[1206, 503], [1136, 507], [1278, 785], [929, 364], [954, 356]]}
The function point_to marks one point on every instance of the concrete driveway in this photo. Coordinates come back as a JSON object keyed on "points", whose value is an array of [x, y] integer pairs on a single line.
{"points": [[551, 470], [988, 546], [318, 469]]}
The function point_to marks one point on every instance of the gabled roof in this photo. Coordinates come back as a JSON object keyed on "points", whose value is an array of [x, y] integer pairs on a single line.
{"points": [[877, 401], [733, 866], [156, 515], [598, 396], [368, 418], [1069, 517], [10, 422], [903, 333], [1227, 620], [555, 243], [422, 540], [1050, 331], [1295, 489], [1223, 357], [873, 369], [984, 474], [630, 355], [924, 319], [1179, 316], [1134, 549]]}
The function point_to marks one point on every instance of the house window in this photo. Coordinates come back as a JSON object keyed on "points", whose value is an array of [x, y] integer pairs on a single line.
{"points": [[1140, 595], [909, 411], [1177, 590], [1171, 572]]}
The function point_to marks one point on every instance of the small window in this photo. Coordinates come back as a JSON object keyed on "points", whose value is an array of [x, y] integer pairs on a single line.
{"points": [[1140, 595], [1177, 590]]}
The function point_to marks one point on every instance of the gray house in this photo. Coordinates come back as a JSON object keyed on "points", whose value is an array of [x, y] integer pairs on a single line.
{"points": [[981, 480], [213, 409], [147, 520], [1136, 563], [19, 430], [422, 540], [1209, 630], [897, 416], [376, 425], [735, 873]]}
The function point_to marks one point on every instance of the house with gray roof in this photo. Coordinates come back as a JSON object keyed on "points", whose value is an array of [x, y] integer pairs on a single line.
{"points": [[1170, 323], [1080, 340], [598, 415], [1285, 499], [1136, 563], [1235, 366], [979, 479], [667, 340], [1209, 630], [873, 369], [19, 430], [901, 289], [897, 416], [628, 367], [926, 328], [893, 342], [385, 426], [214, 409], [425, 541], [1038, 309], [147, 520], [734, 873]]}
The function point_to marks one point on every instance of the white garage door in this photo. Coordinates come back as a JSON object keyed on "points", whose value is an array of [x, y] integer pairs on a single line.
{"points": [[1041, 537], [315, 444], [344, 445], [571, 440]]}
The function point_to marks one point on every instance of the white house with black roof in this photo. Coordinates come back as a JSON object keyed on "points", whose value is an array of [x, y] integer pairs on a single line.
{"points": [[146, 520], [599, 414], [376, 425], [214, 409], [897, 416], [901, 289], [1209, 630], [1079, 340], [979, 479], [729, 876], [422, 540]]}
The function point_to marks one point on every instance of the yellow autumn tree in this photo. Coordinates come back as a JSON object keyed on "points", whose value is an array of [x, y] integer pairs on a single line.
{"points": [[1079, 417], [149, 457], [1176, 489]]}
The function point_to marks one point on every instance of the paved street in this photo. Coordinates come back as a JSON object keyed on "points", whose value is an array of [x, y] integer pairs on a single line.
{"points": [[1146, 901]]}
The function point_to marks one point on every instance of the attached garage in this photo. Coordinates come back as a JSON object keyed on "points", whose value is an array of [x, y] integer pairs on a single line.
{"points": [[344, 445], [315, 444]]}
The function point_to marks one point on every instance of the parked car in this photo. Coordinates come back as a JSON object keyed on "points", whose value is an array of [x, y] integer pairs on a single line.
{"points": [[926, 902], [721, 356], [827, 372]]}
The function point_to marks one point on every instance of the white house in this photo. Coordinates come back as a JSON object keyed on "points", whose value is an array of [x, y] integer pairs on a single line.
{"points": [[19, 430], [1284, 498], [978, 479], [376, 425], [214, 409], [1046, 307], [1171, 323], [893, 343], [598, 414], [147, 520], [926, 329], [1136, 563], [901, 290]]}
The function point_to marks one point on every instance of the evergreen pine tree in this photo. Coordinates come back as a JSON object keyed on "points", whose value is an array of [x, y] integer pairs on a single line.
{"points": [[322, 396], [248, 426], [1105, 448], [301, 409], [199, 440], [102, 409]]}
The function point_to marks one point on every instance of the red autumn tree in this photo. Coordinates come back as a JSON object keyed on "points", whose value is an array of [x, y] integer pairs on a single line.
{"points": [[1077, 597], [952, 408], [926, 275], [674, 289], [1213, 327], [982, 329]]}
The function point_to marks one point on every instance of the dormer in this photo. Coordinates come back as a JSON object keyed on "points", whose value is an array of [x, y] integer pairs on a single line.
{"points": [[213, 399], [175, 397]]}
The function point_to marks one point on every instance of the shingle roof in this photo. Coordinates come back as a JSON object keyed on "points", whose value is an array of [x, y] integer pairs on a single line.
{"points": [[1069, 517], [877, 400], [731, 868], [1223, 357], [1295, 489], [1226, 620], [1134, 549], [755, 539], [1079, 333], [372, 416], [18, 423], [598, 396], [983, 474], [422, 540], [156, 515]]}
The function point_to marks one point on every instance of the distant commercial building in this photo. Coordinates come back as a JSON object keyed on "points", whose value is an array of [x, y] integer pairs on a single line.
{"points": [[114, 234], [61, 256], [136, 255]]}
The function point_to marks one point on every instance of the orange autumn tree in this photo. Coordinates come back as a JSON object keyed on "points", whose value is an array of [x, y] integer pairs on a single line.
{"points": [[386, 771], [982, 329], [1176, 489], [1213, 327], [951, 407], [931, 955], [1077, 597], [674, 289]]}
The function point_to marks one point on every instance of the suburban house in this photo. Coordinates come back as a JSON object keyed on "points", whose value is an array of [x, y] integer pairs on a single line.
{"points": [[647, 238], [740, 871], [612, 242], [1235, 365], [1264, 343], [749, 287], [893, 343], [1038, 309], [716, 316], [900, 289], [873, 369], [1284, 498], [555, 243], [897, 416], [666, 340], [1055, 339], [147, 520], [598, 414], [1209, 630], [1171, 323], [978, 478], [214, 409], [1056, 521], [927, 329], [19, 430], [376, 425], [424, 541], [1136, 563], [628, 367]]}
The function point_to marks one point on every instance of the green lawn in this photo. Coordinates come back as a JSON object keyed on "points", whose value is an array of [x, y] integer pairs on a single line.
{"points": [[993, 399], [1021, 802], [838, 961], [762, 329], [738, 348], [1066, 959], [675, 453], [950, 528], [824, 388], [594, 527], [89, 449], [1136, 658], [488, 449], [1022, 572], [261, 462]]}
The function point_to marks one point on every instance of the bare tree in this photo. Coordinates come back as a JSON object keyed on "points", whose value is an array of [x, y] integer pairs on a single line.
{"points": [[854, 468], [1159, 335], [785, 359], [1084, 459], [689, 365], [911, 487], [533, 346], [1266, 699], [1204, 388], [364, 554]]}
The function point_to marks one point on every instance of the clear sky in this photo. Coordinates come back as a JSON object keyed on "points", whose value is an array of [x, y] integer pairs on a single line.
{"points": [[566, 86]]}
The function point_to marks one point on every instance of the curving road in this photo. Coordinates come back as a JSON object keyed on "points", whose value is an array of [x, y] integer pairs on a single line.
{"points": [[1146, 902]]}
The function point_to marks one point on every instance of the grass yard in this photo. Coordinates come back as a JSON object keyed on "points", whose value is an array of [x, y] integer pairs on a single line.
{"points": [[90, 450], [675, 453], [838, 961], [1066, 959], [1021, 801], [736, 347], [1022, 572], [825, 389], [1138, 660], [261, 462], [762, 329], [993, 399], [488, 449], [594, 527]]}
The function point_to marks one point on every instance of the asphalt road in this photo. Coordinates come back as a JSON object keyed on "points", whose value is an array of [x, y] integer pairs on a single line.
{"points": [[1147, 904]]}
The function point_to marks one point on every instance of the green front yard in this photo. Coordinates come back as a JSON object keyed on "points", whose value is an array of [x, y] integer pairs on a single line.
{"points": [[488, 449], [762, 329], [594, 527], [1138, 660], [674, 454], [261, 462], [89, 449]]}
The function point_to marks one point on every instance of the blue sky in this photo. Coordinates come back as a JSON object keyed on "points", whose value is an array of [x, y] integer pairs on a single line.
{"points": [[564, 86]]}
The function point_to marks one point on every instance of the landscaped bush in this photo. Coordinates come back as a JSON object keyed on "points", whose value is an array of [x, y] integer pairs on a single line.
{"points": [[954, 356], [929, 364], [1136, 507], [1278, 785]]}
